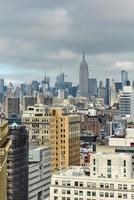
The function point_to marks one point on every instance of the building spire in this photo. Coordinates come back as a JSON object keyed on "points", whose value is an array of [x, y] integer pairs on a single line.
{"points": [[83, 55]]}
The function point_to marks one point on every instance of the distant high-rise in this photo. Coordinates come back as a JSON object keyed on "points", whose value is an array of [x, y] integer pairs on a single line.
{"points": [[12, 107], [83, 78], [60, 81], [124, 77], [18, 163], [112, 93], [107, 92], [92, 85]]}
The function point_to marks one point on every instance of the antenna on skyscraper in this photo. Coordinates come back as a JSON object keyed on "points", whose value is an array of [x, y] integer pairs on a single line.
{"points": [[83, 54]]}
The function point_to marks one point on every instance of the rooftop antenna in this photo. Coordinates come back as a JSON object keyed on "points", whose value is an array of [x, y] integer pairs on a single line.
{"points": [[83, 55]]}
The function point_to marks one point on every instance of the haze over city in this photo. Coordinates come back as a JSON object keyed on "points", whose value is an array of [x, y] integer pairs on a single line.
{"points": [[48, 36]]}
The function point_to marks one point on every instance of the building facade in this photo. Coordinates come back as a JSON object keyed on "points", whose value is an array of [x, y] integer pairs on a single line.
{"points": [[4, 146], [57, 128], [109, 177], [39, 172], [18, 163]]}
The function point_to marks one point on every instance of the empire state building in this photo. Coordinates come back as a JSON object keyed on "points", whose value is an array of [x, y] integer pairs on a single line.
{"points": [[83, 78]]}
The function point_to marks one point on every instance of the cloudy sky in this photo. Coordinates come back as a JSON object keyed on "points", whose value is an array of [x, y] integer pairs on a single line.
{"points": [[38, 36]]}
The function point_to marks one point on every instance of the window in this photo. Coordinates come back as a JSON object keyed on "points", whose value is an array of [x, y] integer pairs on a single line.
{"points": [[88, 193], [101, 194], [88, 184], [106, 194], [68, 191], [107, 185], [63, 191], [132, 187], [76, 183], [124, 163], [64, 183], [132, 196], [101, 185], [81, 184], [125, 187], [109, 175], [63, 198], [55, 191], [68, 198], [80, 192], [124, 196], [112, 194], [93, 194], [56, 182], [76, 192], [111, 186], [119, 186], [109, 162], [55, 198], [94, 161], [119, 195], [93, 185], [68, 183]]}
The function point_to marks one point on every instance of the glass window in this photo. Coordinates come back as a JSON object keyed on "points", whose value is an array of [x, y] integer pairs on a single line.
{"points": [[64, 183], [76, 192], [81, 183], [80, 192], [68, 183], [63, 191], [119, 186], [132, 196], [93, 194], [68, 191], [124, 163], [106, 194], [119, 195], [56, 182], [93, 185], [124, 196], [101, 194], [111, 194], [76, 183], [106, 185], [88, 184], [55, 191], [125, 187], [111, 186], [101, 185], [88, 193], [109, 162], [132, 187]]}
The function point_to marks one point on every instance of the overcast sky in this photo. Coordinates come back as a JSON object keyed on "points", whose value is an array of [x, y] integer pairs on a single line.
{"points": [[38, 36]]}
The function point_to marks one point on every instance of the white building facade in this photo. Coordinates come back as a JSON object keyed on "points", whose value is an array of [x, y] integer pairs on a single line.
{"points": [[39, 173], [109, 177]]}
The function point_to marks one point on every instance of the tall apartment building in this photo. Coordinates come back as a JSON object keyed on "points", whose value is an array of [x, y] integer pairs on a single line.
{"points": [[39, 172], [109, 176], [55, 127], [4, 146], [18, 163]]}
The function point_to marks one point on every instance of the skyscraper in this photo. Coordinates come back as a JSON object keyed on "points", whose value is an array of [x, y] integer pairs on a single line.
{"points": [[92, 85], [107, 92], [83, 78], [18, 163], [4, 146], [124, 77], [112, 93]]}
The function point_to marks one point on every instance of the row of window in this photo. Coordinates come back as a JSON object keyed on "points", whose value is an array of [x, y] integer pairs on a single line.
{"points": [[93, 185]]}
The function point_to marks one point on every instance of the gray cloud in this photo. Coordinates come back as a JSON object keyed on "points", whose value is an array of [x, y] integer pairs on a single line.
{"points": [[38, 36]]}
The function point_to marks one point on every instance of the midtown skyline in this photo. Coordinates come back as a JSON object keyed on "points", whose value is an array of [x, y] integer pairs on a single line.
{"points": [[45, 36]]}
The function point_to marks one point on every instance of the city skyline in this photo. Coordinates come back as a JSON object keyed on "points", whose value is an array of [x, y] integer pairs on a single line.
{"points": [[38, 37]]}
